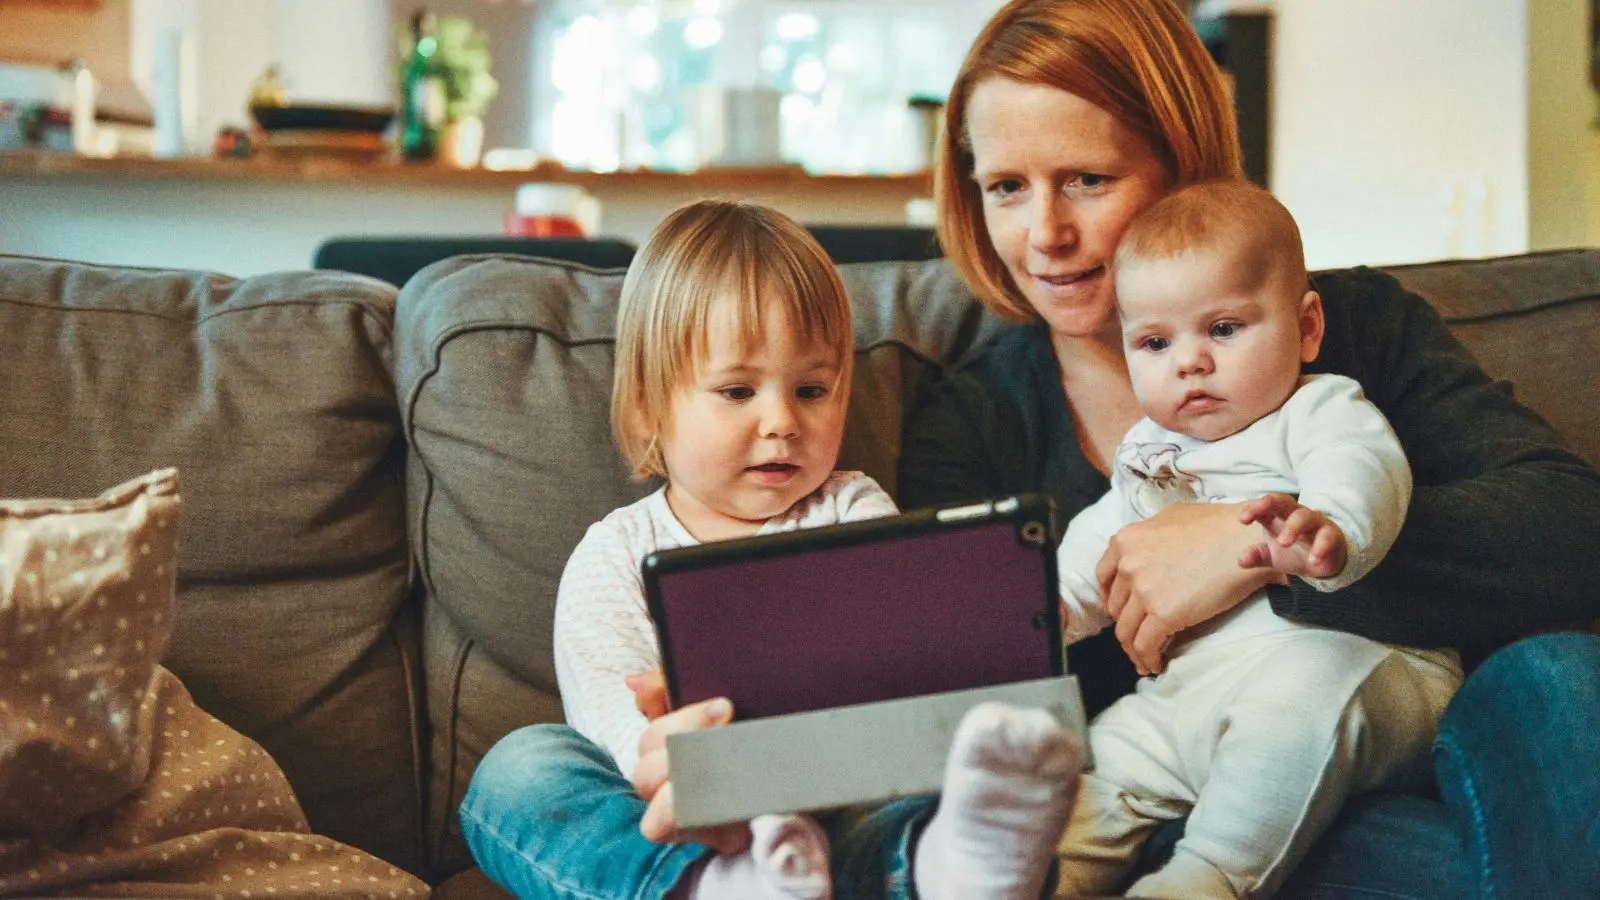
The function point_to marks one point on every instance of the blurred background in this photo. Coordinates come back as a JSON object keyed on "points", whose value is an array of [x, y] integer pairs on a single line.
{"points": [[241, 135]]}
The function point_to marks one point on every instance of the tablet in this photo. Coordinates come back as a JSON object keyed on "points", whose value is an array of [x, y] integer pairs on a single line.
{"points": [[920, 603]]}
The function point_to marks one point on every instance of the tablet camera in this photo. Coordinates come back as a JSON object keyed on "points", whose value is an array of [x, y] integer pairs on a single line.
{"points": [[1034, 533]]}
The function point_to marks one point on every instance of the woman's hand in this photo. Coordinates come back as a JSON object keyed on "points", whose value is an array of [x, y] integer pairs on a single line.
{"points": [[1303, 542], [651, 776], [1176, 570]]}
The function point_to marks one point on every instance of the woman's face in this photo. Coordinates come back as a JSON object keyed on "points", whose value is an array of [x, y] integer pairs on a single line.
{"points": [[1061, 179]]}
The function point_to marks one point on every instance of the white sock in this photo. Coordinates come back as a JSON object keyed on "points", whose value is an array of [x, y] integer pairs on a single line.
{"points": [[1009, 784], [787, 860]]}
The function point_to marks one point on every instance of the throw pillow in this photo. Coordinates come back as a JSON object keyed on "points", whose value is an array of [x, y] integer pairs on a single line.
{"points": [[86, 600]]}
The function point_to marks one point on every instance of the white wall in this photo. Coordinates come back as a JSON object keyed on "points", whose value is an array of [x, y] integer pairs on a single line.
{"points": [[326, 52], [1399, 127], [333, 52]]}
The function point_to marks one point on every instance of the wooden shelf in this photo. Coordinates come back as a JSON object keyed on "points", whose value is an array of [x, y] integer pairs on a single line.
{"points": [[42, 164]]}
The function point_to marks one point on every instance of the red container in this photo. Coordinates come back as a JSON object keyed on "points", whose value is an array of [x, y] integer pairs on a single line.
{"points": [[541, 226]]}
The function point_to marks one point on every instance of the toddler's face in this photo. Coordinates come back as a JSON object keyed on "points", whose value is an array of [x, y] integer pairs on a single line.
{"points": [[1212, 348], [756, 430]]}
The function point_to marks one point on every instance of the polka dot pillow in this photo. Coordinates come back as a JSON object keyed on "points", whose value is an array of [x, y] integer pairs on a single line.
{"points": [[86, 600]]}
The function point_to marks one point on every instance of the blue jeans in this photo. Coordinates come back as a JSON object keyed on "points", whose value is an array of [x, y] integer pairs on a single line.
{"points": [[548, 815], [1517, 759]]}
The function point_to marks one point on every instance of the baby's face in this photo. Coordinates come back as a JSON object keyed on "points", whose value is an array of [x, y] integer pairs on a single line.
{"points": [[1210, 348]]}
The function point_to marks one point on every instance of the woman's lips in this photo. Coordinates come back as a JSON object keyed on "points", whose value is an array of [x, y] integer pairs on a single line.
{"points": [[1071, 283]]}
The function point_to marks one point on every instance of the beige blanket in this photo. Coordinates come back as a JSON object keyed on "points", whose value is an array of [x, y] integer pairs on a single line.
{"points": [[214, 818]]}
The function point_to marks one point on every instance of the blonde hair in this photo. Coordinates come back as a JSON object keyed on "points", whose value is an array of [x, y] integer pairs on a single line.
{"points": [[1138, 60], [700, 256], [1226, 216]]}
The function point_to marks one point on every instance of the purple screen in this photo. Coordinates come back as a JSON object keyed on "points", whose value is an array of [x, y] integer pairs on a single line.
{"points": [[919, 614]]}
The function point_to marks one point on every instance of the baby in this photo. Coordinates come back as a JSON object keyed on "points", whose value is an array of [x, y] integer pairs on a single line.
{"points": [[1259, 727]]}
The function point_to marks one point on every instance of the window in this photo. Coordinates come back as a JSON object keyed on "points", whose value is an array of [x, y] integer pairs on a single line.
{"points": [[635, 85]]}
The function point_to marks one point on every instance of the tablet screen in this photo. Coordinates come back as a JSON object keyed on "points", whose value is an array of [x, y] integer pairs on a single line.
{"points": [[914, 604]]}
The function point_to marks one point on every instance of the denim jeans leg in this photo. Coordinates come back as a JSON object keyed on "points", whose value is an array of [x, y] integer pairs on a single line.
{"points": [[1518, 759], [1385, 846], [871, 848], [548, 815]]}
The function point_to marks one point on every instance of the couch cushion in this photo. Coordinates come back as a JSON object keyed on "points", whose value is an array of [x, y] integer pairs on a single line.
{"points": [[1533, 320], [274, 398], [504, 374]]}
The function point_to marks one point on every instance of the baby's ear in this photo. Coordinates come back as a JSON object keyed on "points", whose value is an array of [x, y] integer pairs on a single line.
{"points": [[1311, 326]]}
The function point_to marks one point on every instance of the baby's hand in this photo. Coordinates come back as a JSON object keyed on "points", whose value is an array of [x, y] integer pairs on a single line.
{"points": [[1304, 542]]}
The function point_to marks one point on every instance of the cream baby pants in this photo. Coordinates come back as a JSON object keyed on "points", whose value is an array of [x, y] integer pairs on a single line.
{"points": [[1258, 741]]}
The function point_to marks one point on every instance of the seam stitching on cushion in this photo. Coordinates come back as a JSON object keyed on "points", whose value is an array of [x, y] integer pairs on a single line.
{"points": [[384, 322], [414, 715], [1543, 306], [449, 334], [541, 261], [457, 676], [424, 564]]}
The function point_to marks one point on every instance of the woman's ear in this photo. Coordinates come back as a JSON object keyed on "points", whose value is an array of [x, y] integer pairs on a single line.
{"points": [[1311, 326]]}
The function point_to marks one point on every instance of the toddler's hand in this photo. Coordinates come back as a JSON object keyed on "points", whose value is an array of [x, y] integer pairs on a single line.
{"points": [[649, 693], [652, 778], [1304, 542]]}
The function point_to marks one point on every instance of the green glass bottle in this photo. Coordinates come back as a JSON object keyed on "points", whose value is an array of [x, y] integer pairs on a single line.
{"points": [[422, 95]]}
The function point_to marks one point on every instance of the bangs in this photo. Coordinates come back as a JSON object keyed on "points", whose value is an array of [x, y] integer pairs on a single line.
{"points": [[711, 256], [776, 287]]}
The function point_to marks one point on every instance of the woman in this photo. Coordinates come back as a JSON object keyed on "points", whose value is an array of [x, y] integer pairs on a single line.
{"points": [[1068, 118]]}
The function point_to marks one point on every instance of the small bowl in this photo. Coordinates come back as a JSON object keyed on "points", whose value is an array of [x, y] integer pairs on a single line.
{"points": [[308, 116]]}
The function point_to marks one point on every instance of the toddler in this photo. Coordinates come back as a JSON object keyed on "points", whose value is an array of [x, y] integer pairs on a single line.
{"points": [[1259, 727], [734, 347]]}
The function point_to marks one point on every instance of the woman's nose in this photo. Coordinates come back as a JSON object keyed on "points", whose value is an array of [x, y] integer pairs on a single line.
{"points": [[1052, 226]]}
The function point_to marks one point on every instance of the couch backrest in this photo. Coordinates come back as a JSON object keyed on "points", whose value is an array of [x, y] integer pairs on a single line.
{"points": [[1533, 320], [274, 398]]}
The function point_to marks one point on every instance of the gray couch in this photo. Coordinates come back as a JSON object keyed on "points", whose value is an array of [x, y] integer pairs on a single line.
{"points": [[380, 491]]}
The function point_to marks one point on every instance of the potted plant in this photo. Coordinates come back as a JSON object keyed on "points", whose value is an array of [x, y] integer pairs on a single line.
{"points": [[459, 60]]}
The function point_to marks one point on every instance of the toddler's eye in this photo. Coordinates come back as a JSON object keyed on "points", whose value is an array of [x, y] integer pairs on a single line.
{"points": [[1154, 344], [811, 392], [1225, 329], [737, 393]]}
